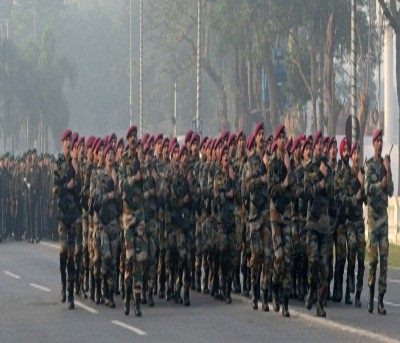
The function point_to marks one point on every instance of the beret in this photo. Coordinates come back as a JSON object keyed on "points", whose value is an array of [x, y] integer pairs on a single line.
{"points": [[223, 149], [188, 136], [108, 149], [250, 141], [259, 126], [182, 151], [317, 136], [376, 134], [157, 137], [331, 142], [355, 146], [89, 142], [131, 130], [344, 142], [203, 142], [66, 133], [239, 134], [232, 139], [280, 129]]}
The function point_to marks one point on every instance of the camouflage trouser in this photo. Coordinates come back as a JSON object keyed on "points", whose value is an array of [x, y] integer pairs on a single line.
{"points": [[66, 237], [136, 249], [331, 243], [378, 239], [226, 245], [207, 249], [340, 249], [282, 242], [96, 244], [91, 243], [199, 241], [171, 252], [184, 241], [296, 244], [261, 250], [85, 241], [161, 269], [239, 227], [109, 245], [151, 236], [79, 250], [317, 251], [356, 249]]}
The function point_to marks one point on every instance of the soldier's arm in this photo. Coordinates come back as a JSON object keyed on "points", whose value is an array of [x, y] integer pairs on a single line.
{"points": [[311, 188], [276, 187], [390, 187], [372, 186]]}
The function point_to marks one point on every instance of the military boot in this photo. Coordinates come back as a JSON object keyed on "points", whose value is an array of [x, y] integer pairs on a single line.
{"points": [[310, 297], [122, 285], [228, 293], [143, 297], [357, 301], [371, 299], [138, 311], [347, 297], [117, 292], [206, 290], [381, 307], [110, 301], [320, 309], [150, 298], [265, 306], [275, 297], [351, 280], [340, 283], [237, 288], [161, 293], [63, 294], [254, 300], [178, 297], [186, 299], [127, 300], [285, 308], [71, 295], [98, 291], [104, 292]]}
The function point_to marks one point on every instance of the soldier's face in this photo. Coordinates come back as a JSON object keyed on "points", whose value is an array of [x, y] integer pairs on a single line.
{"points": [[307, 152], [281, 142], [378, 146], [157, 147], [195, 147], [232, 150], [225, 159], [333, 152], [241, 143], [297, 152], [183, 158], [67, 146], [260, 138], [110, 158], [318, 147], [355, 157]]}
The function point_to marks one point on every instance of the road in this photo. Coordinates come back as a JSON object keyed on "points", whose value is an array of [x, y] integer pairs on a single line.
{"points": [[31, 312]]}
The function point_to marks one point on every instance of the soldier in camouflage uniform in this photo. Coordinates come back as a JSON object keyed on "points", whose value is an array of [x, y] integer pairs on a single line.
{"points": [[64, 183], [378, 187], [280, 182], [259, 225], [318, 185], [133, 222]]}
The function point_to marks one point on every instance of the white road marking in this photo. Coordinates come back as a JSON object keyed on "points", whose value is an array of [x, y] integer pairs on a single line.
{"points": [[129, 327], [15, 276], [388, 303], [42, 288], [393, 281], [50, 245], [86, 308]]}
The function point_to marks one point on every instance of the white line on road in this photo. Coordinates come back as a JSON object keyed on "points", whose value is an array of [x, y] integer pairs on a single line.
{"points": [[86, 308], [50, 245], [388, 303], [129, 327], [394, 281], [42, 288], [15, 276]]}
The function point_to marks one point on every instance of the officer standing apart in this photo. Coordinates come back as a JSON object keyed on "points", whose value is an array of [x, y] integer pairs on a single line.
{"points": [[378, 187]]}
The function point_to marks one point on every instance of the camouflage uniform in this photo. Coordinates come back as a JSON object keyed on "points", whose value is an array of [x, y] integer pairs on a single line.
{"points": [[377, 200], [317, 226], [33, 179], [64, 172]]}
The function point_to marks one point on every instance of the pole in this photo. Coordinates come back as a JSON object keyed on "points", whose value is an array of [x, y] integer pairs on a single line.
{"points": [[388, 72], [353, 69], [141, 69], [130, 66], [175, 111], [198, 66]]}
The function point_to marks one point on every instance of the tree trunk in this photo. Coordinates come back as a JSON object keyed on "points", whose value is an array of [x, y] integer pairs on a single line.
{"points": [[329, 76], [237, 89], [363, 113], [272, 90], [321, 115], [250, 84], [313, 87]]}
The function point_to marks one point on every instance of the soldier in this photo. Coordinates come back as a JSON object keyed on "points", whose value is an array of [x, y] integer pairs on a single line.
{"points": [[224, 192], [133, 222], [280, 182], [378, 187], [64, 183], [318, 184], [354, 199], [259, 224], [182, 209]]}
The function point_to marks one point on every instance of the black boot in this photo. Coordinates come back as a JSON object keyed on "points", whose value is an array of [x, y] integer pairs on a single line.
{"points": [[63, 294], [110, 301], [285, 308], [371, 299], [127, 300], [117, 292], [381, 307], [351, 280], [310, 297], [206, 289], [265, 306], [357, 301], [138, 311], [275, 297], [122, 285], [98, 291], [178, 297], [237, 288], [228, 293], [320, 309], [347, 297], [143, 298], [254, 300], [150, 298], [186, 299], [104, 291], [340, 283], [71, 295]]}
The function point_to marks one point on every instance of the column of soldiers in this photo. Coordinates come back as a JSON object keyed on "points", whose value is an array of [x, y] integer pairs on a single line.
{"points": [[268, 216]]}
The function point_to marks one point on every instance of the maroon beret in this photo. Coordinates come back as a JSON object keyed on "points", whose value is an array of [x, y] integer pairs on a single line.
{"points": [[376, 134], [99, 144], [280, 129], [182, 150], [108, 149], [172, 141], [331, 142], [120, 142], [157, 137], [146, 148], [195, 136], [317, 136], [326, 139], [131, 130], [165, 142], [218, 141], [344, 142], [296, 143], [66, 133], [80, 141], [270, 138], [188, 136], [145, 137], [274, 146], [250, 141], [355, 146], [259, 126], [173, 147], [307, 141], [232, 139], [89, 142], [224, 134], [74, 139], [223, 149], [240, 134], [150, 140], [203, 141], [112, 136], [289, 144]]}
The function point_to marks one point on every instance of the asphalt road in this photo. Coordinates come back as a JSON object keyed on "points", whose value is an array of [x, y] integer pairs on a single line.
{"points": [[31, 312]]}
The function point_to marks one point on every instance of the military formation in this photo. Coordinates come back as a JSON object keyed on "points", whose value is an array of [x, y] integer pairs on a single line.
{"points": [[270, 217]]}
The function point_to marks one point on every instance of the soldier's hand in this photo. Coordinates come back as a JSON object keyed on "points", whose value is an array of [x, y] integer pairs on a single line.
{"points": [[322, 169], [186, 199], [361, 178], [384, 182], [322, 184], [70, 184], [231, 173], [386, 163], [359, 194], [265, 159], [286, 160], [75, 165], [111, 195], [154, 174]]}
